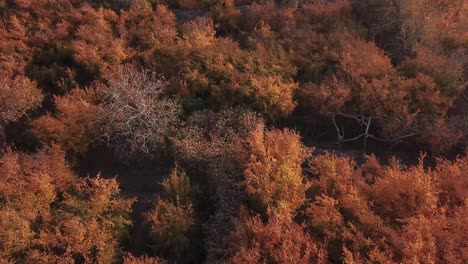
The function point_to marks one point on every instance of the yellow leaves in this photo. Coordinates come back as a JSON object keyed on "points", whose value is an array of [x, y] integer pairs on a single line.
{"points": [[172, 221], [199, 34], [218, 72], [177, 188], [170, 225], [15, 233], [274, 175], [275, 96], [45, 206], [102, 193]]}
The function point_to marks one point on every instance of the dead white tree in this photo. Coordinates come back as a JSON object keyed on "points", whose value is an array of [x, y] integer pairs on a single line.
{"points": [[365, 123], [138, 117]]}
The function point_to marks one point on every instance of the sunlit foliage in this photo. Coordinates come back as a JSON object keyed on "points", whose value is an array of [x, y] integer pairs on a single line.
{"points": [[50, 215], [232, 95]]}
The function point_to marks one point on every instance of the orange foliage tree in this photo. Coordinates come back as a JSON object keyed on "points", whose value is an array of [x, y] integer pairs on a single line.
{"points": [[76, 124], [172, 220], [278, 241], [388, 214], [97, 44], [129, 113], [273, 177], [54, 215], [214, 72], [386, 70], [145, 30]]}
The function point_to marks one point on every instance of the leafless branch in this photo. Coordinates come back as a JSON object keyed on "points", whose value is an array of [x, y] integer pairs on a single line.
{"points": [[138, 115]]}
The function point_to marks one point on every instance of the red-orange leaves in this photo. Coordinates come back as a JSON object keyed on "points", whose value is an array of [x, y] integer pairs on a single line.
{"points": [[389, 213], [76, 124], [49, 215], [145, 30], [446, 73], [399, 194], [373, 87], [97, 44], [214, 72], [278, 241]]}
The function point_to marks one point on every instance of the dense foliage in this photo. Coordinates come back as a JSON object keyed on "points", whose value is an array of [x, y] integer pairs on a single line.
{"points": [[221, 102]]}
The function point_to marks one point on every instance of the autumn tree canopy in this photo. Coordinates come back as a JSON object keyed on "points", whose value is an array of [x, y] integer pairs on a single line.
{"points": [[233, 131]]}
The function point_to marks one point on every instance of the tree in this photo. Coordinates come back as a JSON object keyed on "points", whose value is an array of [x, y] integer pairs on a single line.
{"points": [[96, 44], [399, 26], [145, 30], [341, 214], [399, 194], [54, 215], [130, 259], [129, 113], [273, 178], [172, 220], [373, 94], [387, 213], [446, 73], [77, 123], [170, 227], [138, 118], [89, 223], [18, 95], [277, 241], [212, 72], [177, 188], [440, 135], [209, 146]]}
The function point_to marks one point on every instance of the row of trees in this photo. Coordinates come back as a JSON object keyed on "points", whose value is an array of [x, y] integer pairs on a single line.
{"points": [[268, 208], [270, 59]]}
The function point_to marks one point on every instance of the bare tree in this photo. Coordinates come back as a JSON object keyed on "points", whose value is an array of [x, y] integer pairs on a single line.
{"points": [[365, 123], [138, 117], [18, 95]]}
